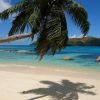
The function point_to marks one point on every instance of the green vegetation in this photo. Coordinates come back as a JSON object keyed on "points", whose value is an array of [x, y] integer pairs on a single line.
{"points": [[86, 41]]}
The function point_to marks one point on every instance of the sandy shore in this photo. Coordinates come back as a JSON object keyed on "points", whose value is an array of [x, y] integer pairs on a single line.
{"points": [[18, 82]]}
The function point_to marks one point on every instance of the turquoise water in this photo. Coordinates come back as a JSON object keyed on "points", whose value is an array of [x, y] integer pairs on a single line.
{"points": [[84, 57]]}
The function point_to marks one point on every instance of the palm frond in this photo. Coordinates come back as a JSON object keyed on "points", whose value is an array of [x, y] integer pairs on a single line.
{"points": [[34, 20], [14, 9], [78, 15], [54, 35], [25, 19], [19, 7], [19, 23], [28, 17]]}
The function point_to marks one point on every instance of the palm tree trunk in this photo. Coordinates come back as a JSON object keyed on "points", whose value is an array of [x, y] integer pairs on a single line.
{"points": [[15, 37]]}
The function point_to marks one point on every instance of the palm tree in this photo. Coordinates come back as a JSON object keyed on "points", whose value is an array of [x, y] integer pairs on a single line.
{"points": [[46, 18]]}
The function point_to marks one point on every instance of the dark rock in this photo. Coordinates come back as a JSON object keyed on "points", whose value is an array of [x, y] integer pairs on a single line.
{"points": [[24, 51], [67, 58], [98, 59]]}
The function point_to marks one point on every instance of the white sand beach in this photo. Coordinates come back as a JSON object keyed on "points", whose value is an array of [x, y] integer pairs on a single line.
{"points": [[19, 82]]}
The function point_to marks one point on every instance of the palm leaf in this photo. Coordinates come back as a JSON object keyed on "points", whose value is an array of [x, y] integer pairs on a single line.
{"points": [[34, 20], [54, 35], [78, 15], [14, 9], [19, 7], [19, 23], [28, 17]]}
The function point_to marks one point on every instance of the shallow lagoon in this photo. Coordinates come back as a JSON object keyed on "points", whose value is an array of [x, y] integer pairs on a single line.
{"points": [[84, 57]]}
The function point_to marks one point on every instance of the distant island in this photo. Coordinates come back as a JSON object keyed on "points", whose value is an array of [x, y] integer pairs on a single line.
{"points": [[86, 41]]}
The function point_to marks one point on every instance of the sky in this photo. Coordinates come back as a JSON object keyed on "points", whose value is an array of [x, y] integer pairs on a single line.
{"points": [[91, 6]]}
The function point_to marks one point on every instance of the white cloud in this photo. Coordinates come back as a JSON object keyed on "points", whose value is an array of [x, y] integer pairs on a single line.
{"points": [[4, 4], [75, 36]]}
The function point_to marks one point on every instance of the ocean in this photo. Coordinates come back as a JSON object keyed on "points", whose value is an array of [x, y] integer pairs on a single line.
{"points": [[84, 57]]}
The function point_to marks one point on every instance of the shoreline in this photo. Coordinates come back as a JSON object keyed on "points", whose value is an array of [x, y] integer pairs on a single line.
{"points": [[19, 68], [22, 82]]}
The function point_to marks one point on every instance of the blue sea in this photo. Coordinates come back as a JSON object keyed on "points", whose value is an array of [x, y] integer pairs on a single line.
{"points": [[84, 57]]}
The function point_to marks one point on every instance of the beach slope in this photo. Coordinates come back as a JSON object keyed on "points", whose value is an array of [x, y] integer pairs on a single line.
{"points": [[27, 83]]}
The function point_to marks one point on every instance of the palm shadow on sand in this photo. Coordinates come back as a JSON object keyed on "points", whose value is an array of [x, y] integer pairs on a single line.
{"points": [[65, 90]]}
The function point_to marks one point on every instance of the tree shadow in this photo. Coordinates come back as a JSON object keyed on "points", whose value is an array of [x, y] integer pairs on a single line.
{"points": [[65, 90]]}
